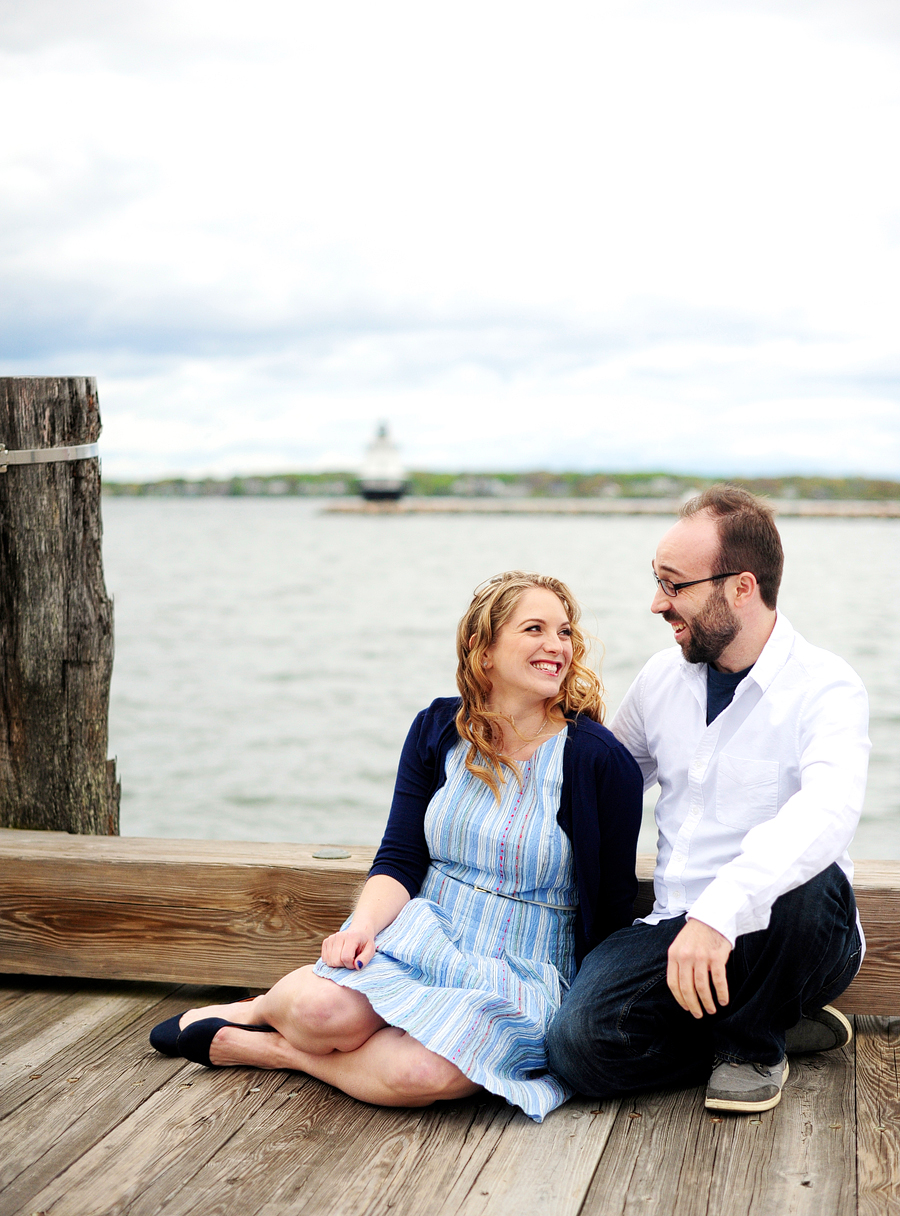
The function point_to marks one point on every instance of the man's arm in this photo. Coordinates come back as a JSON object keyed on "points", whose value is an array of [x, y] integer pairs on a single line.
{"points": [[810, 831], [628, 727], [813, 827]]}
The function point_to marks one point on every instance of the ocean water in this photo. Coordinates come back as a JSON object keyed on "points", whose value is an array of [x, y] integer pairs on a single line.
{"points": [[270, 657]]}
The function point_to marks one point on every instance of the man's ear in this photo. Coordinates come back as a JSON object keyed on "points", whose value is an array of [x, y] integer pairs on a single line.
{"points": [[745, 587]]}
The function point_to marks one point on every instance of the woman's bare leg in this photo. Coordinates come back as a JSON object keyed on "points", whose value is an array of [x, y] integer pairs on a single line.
{"points": [[333, 1033], [390, 1068], [314, 1014]]}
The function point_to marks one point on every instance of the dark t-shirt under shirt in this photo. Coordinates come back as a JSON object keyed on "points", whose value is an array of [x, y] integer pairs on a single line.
{"points": [[720, 686]]}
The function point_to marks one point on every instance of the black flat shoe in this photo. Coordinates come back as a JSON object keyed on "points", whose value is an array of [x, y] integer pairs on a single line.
{"points": [[164, 1037], [196, 1039]]}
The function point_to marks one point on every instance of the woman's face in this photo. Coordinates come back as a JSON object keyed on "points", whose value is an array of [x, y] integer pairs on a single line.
{"points": [[532, 652]]}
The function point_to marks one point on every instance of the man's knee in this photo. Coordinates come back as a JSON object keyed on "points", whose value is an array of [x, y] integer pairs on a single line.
{"points": [[816, 913]]}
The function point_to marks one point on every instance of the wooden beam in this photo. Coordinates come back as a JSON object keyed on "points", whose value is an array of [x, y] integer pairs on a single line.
{"points": [[184, 910], [225, 912]]}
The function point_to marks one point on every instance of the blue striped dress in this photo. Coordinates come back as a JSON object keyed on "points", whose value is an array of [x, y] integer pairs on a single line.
{"points": [[476, 965]]}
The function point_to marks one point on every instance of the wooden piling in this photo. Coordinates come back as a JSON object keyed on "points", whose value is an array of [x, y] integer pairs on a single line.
{"points": [[56, 635]]}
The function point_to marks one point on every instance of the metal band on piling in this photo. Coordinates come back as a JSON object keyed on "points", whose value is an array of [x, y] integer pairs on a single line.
{"points": [[81, 451]]}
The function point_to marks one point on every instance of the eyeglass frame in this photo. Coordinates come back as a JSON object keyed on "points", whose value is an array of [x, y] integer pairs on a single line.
{"points": [[676, 587]]}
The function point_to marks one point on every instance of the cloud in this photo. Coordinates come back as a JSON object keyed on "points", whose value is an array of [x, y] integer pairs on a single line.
{"points": [[333, 214]]}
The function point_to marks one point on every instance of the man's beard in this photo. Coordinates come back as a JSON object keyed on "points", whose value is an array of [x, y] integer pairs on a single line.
{"points": [[711, 630]]}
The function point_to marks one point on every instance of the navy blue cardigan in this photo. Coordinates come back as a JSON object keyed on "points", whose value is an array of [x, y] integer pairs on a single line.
{"points": [[600, 812]]}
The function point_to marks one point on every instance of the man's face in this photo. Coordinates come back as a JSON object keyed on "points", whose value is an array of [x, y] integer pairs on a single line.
{"points": [[703, 621]]}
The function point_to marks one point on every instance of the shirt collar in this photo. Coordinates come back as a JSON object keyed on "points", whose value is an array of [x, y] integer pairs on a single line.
{"points": [[773, 657], [775, 653]]}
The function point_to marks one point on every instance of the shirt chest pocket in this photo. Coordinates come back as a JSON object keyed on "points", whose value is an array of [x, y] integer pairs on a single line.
{"points": [[746, 791]]}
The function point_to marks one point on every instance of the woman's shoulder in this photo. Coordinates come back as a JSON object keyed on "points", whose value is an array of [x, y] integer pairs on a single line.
{"points": [[441, 709], [435, 719]]}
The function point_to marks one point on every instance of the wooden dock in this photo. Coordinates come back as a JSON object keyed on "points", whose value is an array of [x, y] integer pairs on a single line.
{"points": [[93, 1122]]}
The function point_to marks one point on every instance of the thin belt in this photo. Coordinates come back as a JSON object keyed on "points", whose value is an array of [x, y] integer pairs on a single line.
{"points": [[516, 898], [519, 900]]}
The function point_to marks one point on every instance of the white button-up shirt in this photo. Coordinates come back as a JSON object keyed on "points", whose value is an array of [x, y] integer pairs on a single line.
{"points": [[765, 797]]}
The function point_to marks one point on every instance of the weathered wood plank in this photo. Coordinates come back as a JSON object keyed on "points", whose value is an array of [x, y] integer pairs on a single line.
{"points": [[668, 1155], [538, 1168], [187, 911], [88, 1086], [226, 912], [302, 1128], [876, 990], [161, 1145], [878, 1115], [393, 1161]]}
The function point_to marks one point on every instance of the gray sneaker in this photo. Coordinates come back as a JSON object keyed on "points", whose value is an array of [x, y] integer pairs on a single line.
{"points": [[746, 1087], [822, 1030]]}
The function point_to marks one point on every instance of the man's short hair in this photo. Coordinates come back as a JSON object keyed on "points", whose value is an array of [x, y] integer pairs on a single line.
{"points": [[748, 538]]}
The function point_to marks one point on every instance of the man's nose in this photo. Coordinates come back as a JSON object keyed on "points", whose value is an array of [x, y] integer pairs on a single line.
{"points": [[661, 602]]}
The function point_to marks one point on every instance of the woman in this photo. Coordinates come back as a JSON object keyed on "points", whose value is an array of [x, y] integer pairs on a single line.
{"points": [[508, 855]]}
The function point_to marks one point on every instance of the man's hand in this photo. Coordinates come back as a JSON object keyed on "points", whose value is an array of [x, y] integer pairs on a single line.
{"points": [[697, 953]]}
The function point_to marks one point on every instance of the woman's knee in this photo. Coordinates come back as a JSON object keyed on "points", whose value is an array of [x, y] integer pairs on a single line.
{"points": [[324, 1010], [425, 1077]]}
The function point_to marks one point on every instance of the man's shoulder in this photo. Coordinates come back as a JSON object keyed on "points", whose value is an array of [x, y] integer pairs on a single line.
{"points": [[815, 664], [664, 664]]}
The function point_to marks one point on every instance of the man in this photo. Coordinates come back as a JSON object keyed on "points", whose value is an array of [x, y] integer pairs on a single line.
{"points": [[759, 743]]}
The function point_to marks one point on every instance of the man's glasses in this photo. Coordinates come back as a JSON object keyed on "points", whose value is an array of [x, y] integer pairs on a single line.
{"points": [[671, 589]]}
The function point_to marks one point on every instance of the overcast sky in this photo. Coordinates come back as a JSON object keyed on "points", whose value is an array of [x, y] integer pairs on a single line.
{"points": [[597, 234]]}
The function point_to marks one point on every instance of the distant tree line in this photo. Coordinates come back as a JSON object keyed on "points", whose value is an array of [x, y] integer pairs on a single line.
{"points": [[540, 484]]}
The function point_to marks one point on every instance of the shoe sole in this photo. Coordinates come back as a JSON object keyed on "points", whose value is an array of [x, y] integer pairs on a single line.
{"points": [[839, 1017], [834, 1021], [748, 1108]]}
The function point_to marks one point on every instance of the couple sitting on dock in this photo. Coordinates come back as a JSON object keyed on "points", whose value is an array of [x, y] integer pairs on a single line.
{"points": [[493, 945]]}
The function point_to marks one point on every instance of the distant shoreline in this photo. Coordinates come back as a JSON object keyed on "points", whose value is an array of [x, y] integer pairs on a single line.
{"points": [[627, 493], [812, 508]]}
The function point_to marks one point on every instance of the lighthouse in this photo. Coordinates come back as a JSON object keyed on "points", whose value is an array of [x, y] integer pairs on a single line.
{"points": [[382, 477]]}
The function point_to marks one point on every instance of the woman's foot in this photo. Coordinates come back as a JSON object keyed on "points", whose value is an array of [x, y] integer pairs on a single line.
{"points": [[164, 1037], [197, 1041], [241, 1013]]}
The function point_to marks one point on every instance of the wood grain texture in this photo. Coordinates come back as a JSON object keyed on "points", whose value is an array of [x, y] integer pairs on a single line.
{"points": [[188, 911], [56, 639], [876, 990], [96, 1122], [878, 1115], [82, 1088], [226, 912], [668, 1155]]}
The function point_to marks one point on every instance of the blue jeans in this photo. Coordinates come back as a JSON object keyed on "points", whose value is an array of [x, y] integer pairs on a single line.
{"points": [[620, 1030]]}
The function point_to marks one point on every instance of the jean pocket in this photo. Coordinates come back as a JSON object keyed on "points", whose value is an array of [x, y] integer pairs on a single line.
{"points": [[746, 791]]}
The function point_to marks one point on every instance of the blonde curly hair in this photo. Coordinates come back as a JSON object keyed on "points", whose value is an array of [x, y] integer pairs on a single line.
{"points": [[493, 603]]}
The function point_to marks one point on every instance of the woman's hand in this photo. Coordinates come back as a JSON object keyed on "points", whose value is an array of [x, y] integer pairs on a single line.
{"points": [[379, 904], [351, 948]]}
